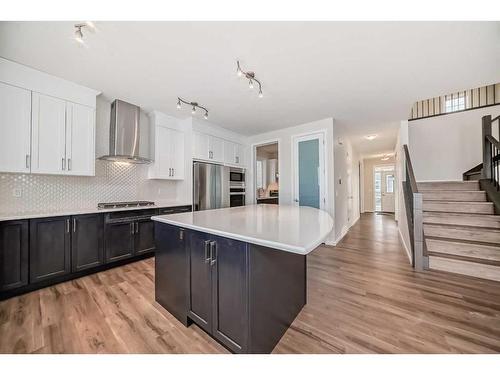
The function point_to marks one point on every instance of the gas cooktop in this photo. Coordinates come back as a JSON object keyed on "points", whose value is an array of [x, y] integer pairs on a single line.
{"points": [[125, 204]]}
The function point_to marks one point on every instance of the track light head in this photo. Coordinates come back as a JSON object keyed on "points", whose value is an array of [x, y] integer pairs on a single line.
{"points": [[79, 33], [205, 116], [193, 111], [179, 104], [250, 83], [260, 94]]}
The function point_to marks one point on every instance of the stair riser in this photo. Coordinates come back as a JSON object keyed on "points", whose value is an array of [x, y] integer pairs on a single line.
{"points": [[469, 185], [466, 220], [459, 207], [455, 196], [462, 234], [478, 252], [483, 271]]}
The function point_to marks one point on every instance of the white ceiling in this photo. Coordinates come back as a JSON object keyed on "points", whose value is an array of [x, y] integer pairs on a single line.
{"points": [[366, 75]]}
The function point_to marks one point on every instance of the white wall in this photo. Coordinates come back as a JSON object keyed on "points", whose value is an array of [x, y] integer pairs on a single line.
{"points": [[341, 163], [444, 147], [285, 147], [346, 189], [401, 177]]}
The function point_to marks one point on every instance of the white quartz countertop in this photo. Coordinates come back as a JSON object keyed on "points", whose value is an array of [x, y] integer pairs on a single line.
{"points": [[5, 216], [289, 228]]}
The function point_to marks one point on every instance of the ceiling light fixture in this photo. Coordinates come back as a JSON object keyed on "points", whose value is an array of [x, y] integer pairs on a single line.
{"points": [[251, 78], [194, 105], [79, 33], [371, 137], [385, 157]]}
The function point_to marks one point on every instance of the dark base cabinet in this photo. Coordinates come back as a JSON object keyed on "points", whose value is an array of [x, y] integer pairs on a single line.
{"points": [[36, 253], [13, 254], [244, 295], [87, 242], [49, 248]]}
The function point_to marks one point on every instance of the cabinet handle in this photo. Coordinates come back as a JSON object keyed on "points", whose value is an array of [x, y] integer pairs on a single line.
{"points": [[74, 225], [213, 252], [208, 251], [181, 234], [27, 161], [237, 159], [132, 228], [67, 225], [63, 164], [173, 172], [137, 227], [69, 164]]}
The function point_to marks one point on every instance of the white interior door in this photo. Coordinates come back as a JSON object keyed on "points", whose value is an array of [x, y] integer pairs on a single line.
{"points": [[48, 134], [388, 184], [80, 150], [309, 171], [15, 129]]}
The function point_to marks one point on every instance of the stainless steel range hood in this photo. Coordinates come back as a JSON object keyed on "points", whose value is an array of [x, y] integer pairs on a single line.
{"points": [[124, 134]]}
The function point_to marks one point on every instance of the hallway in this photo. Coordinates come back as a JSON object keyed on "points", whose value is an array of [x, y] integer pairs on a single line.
{"points": [[363, 297]]}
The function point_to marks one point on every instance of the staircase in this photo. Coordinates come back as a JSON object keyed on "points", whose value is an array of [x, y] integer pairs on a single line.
{"points": [[461, 230]]}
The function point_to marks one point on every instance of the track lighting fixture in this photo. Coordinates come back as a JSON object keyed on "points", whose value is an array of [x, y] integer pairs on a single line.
{"points": [[251, 78], [79, 33], [194, 105], [87, 25]]}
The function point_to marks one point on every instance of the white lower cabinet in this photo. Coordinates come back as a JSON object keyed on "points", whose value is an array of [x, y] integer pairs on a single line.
{"points": [[63, 137], [167, 145], [15, 129]]}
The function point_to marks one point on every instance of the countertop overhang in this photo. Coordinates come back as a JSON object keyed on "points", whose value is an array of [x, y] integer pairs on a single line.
{"points": [[283, 227]]}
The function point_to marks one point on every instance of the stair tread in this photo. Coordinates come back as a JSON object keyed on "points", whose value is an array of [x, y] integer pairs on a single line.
{"points": [[455, 241], [464, 227], [463, 267]]}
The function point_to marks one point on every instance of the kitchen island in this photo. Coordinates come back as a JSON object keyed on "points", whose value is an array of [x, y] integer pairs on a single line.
{"points": [[239, 273]]}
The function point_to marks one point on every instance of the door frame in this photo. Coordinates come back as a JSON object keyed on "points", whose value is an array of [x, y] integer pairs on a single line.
{"points": [[323, 164], [254, 164], [373, 182]]}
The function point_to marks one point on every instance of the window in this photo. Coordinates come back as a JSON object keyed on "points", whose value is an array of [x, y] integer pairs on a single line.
{"points": [[389, 184], [454, 103]]}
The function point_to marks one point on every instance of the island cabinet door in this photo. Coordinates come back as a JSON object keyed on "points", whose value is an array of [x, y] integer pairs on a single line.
{"points": [[171, 282], [200, 279], [229, 261]]}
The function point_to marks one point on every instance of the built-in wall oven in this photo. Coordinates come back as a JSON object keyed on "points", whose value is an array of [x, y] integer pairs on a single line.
{"points": [[236, 187]]}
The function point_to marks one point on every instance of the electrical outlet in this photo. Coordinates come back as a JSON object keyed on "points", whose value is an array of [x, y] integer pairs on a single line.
{"points": [[17, 192]]}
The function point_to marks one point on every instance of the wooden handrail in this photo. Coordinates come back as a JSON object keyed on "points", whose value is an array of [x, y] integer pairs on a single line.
{"points": [[493, 141], [409, 168]]}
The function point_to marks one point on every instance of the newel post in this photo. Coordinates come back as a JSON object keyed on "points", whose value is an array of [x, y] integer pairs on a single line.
{"points": [[418, 232], [486, 147]]}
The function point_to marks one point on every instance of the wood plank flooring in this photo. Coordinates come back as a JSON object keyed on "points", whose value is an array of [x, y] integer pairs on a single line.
{"points": [[363, 297]]}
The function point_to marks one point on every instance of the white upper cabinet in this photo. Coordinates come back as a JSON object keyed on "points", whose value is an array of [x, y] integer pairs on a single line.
{"points": [[47, 124], [207, 147], [200, 146], [216, 149], [49, 135], [167, 146], [63, 137], [234, 153], [15, 129], [80, 140]]}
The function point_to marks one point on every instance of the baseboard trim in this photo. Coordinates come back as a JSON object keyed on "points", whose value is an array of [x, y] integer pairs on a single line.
{"points": [[408, 252], [345, 230]]}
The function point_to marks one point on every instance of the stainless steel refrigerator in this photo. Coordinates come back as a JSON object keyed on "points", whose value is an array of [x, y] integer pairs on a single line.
{"points": [[210, 186]]}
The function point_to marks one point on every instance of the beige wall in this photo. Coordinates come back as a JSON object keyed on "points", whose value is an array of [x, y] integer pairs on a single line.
{"points": [[368, 193]]}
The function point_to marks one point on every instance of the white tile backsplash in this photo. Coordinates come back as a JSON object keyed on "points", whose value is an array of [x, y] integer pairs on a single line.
{"points": [[112, 182]]}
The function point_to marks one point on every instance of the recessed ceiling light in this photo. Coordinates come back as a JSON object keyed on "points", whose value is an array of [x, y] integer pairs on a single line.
{"points": [[371, 137]]}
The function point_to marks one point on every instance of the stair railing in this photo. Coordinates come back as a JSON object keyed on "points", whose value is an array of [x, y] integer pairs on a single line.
{"points": [[414, 214], [491, 152]]}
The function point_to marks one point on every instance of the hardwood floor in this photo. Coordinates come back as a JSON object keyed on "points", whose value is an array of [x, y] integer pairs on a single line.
{"points": [[363, 297]]}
